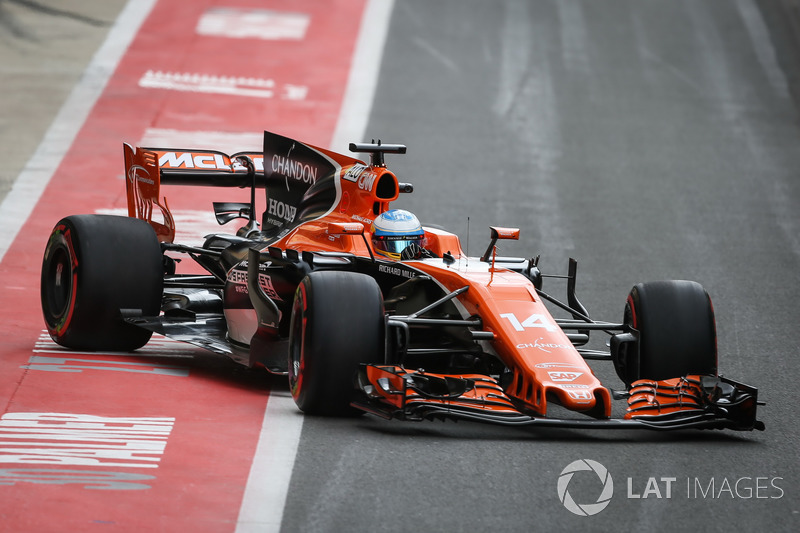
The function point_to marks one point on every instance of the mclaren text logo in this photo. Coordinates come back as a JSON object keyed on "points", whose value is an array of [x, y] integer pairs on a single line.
{"points": [[204, 161], [188, 160], [585, 467]]}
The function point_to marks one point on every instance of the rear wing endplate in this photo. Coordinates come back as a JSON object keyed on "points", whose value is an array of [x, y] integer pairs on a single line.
{"points": [[147, 168]]}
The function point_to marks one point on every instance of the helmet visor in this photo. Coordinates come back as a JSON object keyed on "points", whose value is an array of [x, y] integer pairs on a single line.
{"points": [[394, 244]]}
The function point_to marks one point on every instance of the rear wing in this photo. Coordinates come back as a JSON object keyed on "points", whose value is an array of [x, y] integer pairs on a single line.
{"points": [[147, 168], [292, 169], [302, 182]]}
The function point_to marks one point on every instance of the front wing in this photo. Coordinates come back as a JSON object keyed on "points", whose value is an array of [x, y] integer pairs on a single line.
{"points": [[699, 402]]}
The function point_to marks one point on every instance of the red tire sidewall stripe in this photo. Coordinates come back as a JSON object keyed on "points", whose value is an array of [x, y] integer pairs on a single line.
{"points": [[63, 325], [633, 311], [297, 382]]}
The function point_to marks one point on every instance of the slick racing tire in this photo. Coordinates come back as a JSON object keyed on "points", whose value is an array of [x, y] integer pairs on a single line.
{"points": [[337, 323], [677, 330], [94, 266]]}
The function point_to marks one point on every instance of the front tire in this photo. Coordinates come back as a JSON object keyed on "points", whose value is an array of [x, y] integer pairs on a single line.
{"points": [[93, 266], [677, 331], [337, 323]]}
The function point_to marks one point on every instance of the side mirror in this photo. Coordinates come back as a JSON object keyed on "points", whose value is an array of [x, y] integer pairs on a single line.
{"points": [[345, 228], [496, 234], [504, 233], [350, 228]]}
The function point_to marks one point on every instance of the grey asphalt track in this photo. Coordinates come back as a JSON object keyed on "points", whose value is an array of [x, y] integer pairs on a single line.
{"points": [[647, 139]]}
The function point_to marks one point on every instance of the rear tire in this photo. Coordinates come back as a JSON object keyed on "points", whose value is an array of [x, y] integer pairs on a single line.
{"points": [[677, 331], [93, 266], [337, 323]]}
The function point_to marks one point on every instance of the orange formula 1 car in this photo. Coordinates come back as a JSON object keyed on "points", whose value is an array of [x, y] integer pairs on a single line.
{"points": [[366, 310]]}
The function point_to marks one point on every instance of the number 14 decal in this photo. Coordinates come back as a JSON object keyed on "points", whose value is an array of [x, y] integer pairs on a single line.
{"points": [[533, 321]]}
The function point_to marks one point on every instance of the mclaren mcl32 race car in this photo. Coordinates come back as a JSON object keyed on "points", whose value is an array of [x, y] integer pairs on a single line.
{"points": [[319, 291]]}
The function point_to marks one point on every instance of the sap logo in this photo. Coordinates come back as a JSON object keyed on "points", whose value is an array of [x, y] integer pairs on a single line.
{"points": [[210, 161], [564, 376], [533, 321], [281, 210]]}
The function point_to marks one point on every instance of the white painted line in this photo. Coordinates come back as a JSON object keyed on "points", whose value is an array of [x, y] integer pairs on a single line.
{"points": [[31, 182], [363, 78], [223, 141], [159, 346], [230, 85], [271, 471], [191, 225], [240, 23]]}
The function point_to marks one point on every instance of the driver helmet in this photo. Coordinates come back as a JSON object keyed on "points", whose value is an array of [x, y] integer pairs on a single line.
{"points": [[393, 231]]}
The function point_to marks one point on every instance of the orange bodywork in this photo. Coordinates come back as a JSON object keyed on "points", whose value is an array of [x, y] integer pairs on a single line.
{"points": [[541, 358], [142, 185], [543, 361], [395, 386], [665, 397]]}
